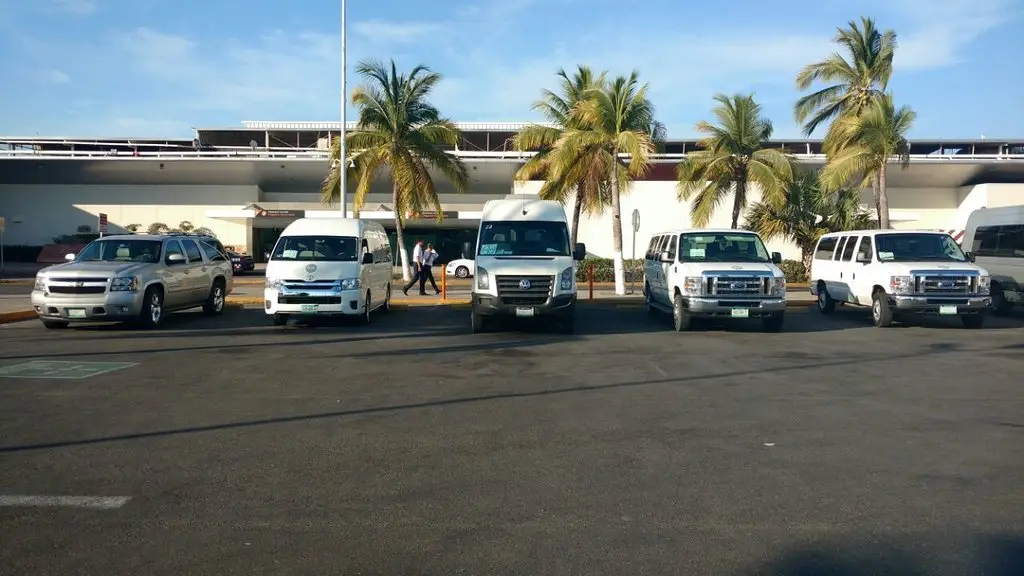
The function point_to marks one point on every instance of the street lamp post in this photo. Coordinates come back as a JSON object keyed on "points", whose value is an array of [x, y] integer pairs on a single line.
{"points": [[342, 144]]}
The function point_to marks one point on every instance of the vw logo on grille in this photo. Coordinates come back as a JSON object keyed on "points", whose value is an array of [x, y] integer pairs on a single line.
{"points": [[524, 284], [79, 284], [311, 268]]}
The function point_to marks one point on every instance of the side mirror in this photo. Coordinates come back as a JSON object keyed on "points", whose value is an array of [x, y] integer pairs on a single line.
{"points": [[776, 257], [176, 259], [579, 252], [69, 257], [970, 256], [863, 258], [666, 257], [367, 258]]}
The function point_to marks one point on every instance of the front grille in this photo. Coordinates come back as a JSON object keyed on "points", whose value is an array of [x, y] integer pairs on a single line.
{"points": [[310, 284], [77, 289], [85, 280], [295, 299], [945, 284], [77, 286], [537, 289], [738, 285]]}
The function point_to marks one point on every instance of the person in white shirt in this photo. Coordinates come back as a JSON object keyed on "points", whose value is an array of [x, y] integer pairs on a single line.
{"points": [[429, 256], [417, 268]]}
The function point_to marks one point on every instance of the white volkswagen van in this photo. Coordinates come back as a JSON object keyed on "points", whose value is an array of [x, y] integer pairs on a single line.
{"points": [[328, 266], [995, 238], [525, 267]]}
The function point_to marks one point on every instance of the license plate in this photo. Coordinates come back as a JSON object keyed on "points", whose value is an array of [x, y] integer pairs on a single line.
{"points": [[309, 308], [740, 313], [524, 312], [76, 313], [947, 309]]}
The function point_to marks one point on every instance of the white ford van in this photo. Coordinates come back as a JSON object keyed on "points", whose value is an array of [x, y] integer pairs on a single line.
{"points": [[328, 266], [995, 238], [899, 273], [722, 274], [525, 267]]}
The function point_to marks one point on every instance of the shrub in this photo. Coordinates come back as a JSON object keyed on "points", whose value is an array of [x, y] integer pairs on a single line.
{"points": [[604, 270], [794, 271]]}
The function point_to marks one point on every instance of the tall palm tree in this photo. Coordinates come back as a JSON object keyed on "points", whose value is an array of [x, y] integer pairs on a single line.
{"points": [[331, 185], [612, 125], [734, 154], [854, 79], [808, 212], [584, 185], [399, 128], [861, 147]]}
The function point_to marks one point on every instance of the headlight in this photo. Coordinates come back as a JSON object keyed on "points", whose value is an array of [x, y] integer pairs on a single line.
{"points": [[566, 278], [693, 285], [778, 286], [901, 285], [40, 284], [272, 284], [483, 279], [984, 284], [350, 284], [124, 284]]}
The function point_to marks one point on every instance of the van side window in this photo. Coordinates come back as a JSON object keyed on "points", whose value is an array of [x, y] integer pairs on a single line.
{"points": [[839, 250], [848, 252], [866, 249], [672, 247], [1005, 241], [650, 248], [826, 246]]}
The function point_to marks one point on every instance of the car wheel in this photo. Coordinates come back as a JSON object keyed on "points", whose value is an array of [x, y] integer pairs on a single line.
{"points": [[367, 309], [567, 325], [681, 318], [152, 308], [279, 319], [462, 272], [54, 324], [387, 300], [479, 323], [973, 321], [1000, 305], [881, 313], [215, 301], [774, 322], [826, 305]]}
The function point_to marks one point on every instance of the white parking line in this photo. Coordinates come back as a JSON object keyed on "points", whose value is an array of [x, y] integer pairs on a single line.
{"points": [[95, 502]]}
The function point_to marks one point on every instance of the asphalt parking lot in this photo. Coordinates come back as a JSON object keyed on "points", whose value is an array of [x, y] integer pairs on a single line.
{"points": [[410, 446]]}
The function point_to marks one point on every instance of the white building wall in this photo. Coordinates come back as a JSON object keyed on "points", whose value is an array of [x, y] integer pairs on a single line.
{"points": [[37, 213]]}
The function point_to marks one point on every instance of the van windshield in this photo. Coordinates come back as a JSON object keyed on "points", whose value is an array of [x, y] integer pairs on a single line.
{"points": [[918, 247], [722, 247], [526, 238], [316, 248]]}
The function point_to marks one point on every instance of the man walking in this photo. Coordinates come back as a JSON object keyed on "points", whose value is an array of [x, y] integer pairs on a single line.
{"points": [[429, 255], [417, 268]]}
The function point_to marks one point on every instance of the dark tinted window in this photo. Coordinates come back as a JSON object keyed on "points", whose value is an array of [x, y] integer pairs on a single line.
{"points": [[848, 251], [310, 248], [826, 246], [172, 247], [672, 247], [194, 255], [524, 238], [918, 247], [212, 253], [121, 251], [999, 241]]}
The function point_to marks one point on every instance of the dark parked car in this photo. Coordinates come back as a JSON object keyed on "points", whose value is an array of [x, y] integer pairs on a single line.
{"points": [[241, 262]]}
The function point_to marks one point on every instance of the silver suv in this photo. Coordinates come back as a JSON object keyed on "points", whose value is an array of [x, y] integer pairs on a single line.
{"points": [[136, 278]]}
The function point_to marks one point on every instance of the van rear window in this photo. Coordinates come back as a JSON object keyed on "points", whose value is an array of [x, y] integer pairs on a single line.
{"points": [[316, 249]]}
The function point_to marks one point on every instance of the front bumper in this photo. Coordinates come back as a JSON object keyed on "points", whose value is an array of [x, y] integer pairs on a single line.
{"points": [[941, 305], [243, 266], [557, 306], [314, 302], [108, 307], [708, 306]]}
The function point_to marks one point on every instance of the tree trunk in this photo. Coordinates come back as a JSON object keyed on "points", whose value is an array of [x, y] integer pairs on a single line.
{"points": [[620, 275], [878, 200], [740, 192], [883, 200], [577, 208], [806, 255], [399, 237]]}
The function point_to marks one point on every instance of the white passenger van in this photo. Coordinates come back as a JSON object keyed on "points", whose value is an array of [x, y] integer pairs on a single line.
{"points": [[525, 267], [899, 273], [329, 266], [693, 274], [995, 238]]}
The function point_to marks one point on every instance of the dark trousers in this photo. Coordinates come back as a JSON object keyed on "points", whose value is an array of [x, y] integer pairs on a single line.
{"points": [[417, 277], [427, 274]]}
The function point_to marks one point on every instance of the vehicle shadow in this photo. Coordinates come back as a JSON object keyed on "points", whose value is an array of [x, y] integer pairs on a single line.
{"points": [[862, 317]]}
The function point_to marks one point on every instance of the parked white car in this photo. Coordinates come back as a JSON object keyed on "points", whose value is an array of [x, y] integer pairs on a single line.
{"points": [[899, 273], [693, 274], [461, 268], [995, 238]]}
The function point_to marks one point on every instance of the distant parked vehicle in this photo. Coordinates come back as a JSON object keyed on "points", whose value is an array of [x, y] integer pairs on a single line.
{"points": [[995, 237], [460, 268]]}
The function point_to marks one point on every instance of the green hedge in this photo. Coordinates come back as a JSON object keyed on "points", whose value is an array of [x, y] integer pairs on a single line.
{"points": [[794, 271], [21, 253], [604, 270]]}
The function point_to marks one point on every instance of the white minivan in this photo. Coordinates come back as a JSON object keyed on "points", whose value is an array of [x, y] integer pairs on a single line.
{"points": [[899, 273], [525, 267], [995, 238], [329, 266]]}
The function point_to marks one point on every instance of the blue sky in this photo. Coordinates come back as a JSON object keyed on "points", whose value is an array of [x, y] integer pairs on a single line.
{"points": [[159, 67]]}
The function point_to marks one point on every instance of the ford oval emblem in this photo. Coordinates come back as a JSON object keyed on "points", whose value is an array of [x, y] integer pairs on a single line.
{"points": [[524, 284], [737, 267], [736, 285], [311, 268]]}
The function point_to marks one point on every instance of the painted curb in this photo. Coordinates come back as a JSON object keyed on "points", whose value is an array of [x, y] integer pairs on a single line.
{"points": [[18, 316]]}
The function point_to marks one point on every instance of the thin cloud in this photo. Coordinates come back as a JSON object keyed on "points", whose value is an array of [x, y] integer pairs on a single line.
{"points": [[394, 32], [58, 77], [74, 6]]}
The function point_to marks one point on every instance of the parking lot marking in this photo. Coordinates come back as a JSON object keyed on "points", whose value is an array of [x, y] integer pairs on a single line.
{"points": [[61, 370], [94, 502]]}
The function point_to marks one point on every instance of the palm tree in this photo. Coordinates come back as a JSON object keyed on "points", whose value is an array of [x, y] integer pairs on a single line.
{"points": [[861, 147], [611, 136], [734, 154], [584, 185], [331, 185], [855, 79], [808, 212], [399, 128]]}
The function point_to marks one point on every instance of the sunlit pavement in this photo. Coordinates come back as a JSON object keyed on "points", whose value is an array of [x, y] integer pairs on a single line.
{"points": [[410, 446]]}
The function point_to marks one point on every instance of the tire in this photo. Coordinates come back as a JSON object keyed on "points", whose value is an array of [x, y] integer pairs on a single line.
{"points": [[973, 321], [214, 304], [54, 324], [774, 322], [279, 319], [881, 313], [1000, 306], [567, 325], [462, 272], [479, 323], [386, 307], [152, 314], [826, 305], [367, 310], [681, 318]]}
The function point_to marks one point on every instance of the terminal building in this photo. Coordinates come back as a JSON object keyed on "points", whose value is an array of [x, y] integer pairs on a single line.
{"points": [[246, 184]]}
